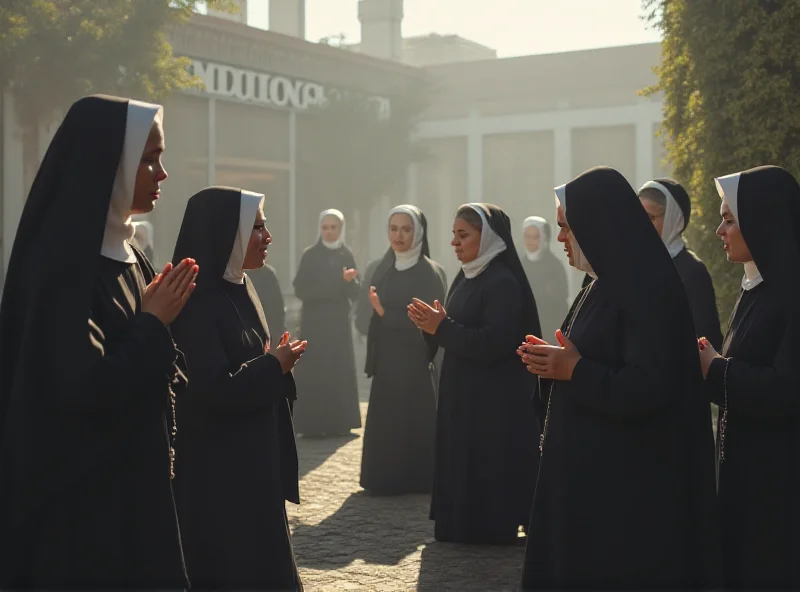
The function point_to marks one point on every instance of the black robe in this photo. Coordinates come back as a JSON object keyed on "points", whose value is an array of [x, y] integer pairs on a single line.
{"points": [[759, 478], [265, 281], [625, 495], [486, 429], [85, 493], [401, 421], [548, 280], [326, 375], [236, 458], [702, 300]]}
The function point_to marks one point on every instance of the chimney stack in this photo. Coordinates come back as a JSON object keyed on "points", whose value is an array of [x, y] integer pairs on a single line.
{"points": [[381, 28]]}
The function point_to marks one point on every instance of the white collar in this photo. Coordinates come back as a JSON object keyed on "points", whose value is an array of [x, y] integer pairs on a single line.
{"points": [[119, 225], [752, 277]]}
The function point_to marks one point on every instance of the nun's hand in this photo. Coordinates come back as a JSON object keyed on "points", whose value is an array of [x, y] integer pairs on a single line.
{"points": [[167, 294], [375, 301], [554, 362], [288, 353], [284, 340], [425, 317], [349, 274], [707, 354], [525, 350]]}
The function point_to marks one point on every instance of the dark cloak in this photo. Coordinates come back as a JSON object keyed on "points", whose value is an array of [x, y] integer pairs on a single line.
{"points": [[401, 420], [486, 430], [85, 493], [625, 496], [326, 375], [759, 479], [265, 281], [548, 280], [237, 458]]}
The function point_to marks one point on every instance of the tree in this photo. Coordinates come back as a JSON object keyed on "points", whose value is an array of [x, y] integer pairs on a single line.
{"points": [[356, 149], [55, 51], [730, 73]]}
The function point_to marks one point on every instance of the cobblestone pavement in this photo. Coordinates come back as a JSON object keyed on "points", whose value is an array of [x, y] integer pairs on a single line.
{"points": [[345, 539]]}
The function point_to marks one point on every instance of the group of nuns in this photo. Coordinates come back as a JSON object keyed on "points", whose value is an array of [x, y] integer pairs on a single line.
{"points": [[132, 401]]}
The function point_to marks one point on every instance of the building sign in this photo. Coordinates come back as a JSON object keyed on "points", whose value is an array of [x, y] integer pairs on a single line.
{"points": [[271, 89]]}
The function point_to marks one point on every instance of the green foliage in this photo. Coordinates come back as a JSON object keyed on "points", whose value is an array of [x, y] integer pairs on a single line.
{"points": [[730, 73], [54, 51]]}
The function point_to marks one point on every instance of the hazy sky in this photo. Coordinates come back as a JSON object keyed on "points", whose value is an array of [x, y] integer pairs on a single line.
{"points": [[512, 27]]}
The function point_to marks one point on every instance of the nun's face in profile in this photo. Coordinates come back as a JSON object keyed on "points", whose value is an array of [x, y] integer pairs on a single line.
{"points": [[260, 238], [331, 229], [655, 212], [532, 239], [401, 232], [151, 172], [466, 240], [732, 240], [565, 235]]}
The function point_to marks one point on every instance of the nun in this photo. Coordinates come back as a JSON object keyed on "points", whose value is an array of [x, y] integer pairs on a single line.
{"points": [[625, 495], [237, 458], [327, 284], [754, 382], [668, 206], [401, 421], [89, 368], [545, 273], [486, 428], [268, 288]]}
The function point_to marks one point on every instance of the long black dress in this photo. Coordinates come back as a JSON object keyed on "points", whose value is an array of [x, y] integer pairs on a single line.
{"points": [[486, 428], [759, 478], [625, 495], [265, 281], [326, 376], [548, 280], [700, 292], [236, 458], [85, 494], [401, 421]]}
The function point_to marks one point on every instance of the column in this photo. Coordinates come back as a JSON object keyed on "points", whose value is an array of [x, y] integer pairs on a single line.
{"points": [[212, 141], [474, 158], [292, 193]]}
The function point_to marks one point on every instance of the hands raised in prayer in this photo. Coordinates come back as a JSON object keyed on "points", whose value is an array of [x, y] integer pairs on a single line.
{"points": [[426, 317], [375, 301], [549, 361], [169, 291], [349, 274], [707, 354], [287, 352]]}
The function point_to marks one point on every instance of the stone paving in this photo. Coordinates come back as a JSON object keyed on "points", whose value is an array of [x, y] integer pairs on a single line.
{"points": [[345, 539]]}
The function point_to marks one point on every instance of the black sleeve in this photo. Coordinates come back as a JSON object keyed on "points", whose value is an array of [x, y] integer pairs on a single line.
{"points": [[353, 288], [313, 283], [120, 375], [364, 308], [214, 388]]}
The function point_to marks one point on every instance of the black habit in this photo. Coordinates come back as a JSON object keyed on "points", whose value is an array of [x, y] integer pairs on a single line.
{"points": [[401, 420], [265, 281], [85, 493], [326, 375], [625, 495], [700, 292], [548, 280], [236, 459], [759, 478], [486, 430]]}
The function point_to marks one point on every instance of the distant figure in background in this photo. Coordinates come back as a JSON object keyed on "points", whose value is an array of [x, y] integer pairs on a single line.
{"points": [[669, 208], [265, 281], [545, 273], [327, 284], [143, 237], [399, 436]]}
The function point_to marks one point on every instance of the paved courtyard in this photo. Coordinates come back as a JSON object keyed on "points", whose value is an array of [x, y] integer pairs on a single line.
{"points": [[347, 540]]}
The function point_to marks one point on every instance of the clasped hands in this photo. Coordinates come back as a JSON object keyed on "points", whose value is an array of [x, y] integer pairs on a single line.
{"points": [[427, 318], [707, 354], [549, 361], [287, 352]]}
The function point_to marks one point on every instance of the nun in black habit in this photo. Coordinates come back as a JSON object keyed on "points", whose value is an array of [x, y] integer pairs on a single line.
{"points": [[669, 208], [545, 273], [89, 369], [401, 422], [327, 284], [625, 495], [237, 458], [754, 382], [268, 288], [486, 429]]}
